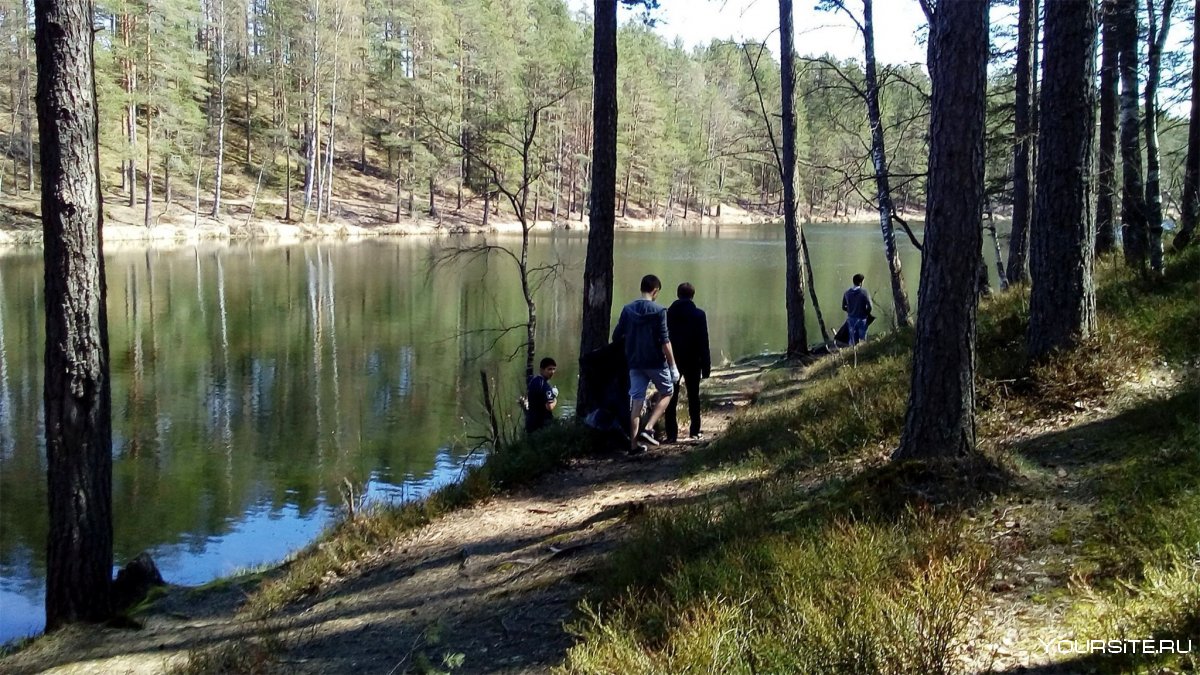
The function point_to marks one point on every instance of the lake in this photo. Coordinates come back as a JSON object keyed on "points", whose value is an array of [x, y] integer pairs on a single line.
{"points": [[251, 380]]}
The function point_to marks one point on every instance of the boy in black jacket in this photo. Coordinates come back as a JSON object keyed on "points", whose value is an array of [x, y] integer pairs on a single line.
{"points": [[688, 327]]}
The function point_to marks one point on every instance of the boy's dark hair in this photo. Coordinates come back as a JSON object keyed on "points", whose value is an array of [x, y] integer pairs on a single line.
{"points": [[686, 291], [650, 283], [858, 279], [547, 362]]}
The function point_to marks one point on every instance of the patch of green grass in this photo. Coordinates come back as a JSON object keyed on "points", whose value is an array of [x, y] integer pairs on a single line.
{"points": [[350, 539], [1163, 605], [839, 597], [844, 404]]}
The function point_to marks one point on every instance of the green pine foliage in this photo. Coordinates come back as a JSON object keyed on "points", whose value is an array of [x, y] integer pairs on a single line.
{"points": [[420, 96]]}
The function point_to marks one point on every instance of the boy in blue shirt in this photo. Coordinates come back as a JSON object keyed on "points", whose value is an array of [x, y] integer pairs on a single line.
{"points": [[643, 327]]}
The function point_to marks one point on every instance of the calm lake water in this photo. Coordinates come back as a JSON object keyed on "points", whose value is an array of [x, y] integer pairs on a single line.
{"points": [[249, 381]]}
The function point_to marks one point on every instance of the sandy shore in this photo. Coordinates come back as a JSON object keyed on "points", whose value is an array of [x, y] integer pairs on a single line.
{"points": [[185, 229]]}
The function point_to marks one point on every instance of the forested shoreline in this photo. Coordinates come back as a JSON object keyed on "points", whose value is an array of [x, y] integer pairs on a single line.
{"points": [[371, 113]]}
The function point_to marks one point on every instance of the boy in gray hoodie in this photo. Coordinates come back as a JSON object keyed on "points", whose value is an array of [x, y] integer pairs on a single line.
{"points": [[643, 327]]}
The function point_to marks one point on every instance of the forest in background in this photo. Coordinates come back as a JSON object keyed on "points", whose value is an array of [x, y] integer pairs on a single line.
{"points": [[377, 111]]}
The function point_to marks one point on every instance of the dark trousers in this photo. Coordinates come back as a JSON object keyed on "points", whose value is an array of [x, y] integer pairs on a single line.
{"points": [[691, 379]]}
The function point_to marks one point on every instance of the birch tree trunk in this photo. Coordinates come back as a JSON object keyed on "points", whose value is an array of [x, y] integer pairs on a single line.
{"points": [[879, 160]]}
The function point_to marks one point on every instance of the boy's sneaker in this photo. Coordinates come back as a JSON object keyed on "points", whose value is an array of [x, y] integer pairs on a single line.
{"points": [[637, 450], [696, 438], [648, 437]]}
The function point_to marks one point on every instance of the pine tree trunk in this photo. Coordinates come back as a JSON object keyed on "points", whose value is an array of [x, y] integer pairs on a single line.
{"points": [[1134, 225], [1157, 44], [1106, 174], [879, 159], [797, 332], [1062, 304], [399, 198], [598, 265], [940, 419], [625, 192], [433, 212], [1190, 210], [287, 182], [1018, 243], [77, 390], [249, 116], [149, 197], [130, 82], [26, 100], [222, 74]]}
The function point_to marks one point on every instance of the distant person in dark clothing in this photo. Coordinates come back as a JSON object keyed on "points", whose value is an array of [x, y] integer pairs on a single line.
{"points": [[643, 327], [688, 327], [856, 302], [541, 396]]}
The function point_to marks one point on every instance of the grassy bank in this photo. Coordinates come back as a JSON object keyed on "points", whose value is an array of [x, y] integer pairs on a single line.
{"points": [[351, 539], [1082, 512]]}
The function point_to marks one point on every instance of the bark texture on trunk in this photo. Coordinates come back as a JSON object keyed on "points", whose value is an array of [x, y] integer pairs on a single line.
{"points": [[879, 160], [1018, 243], [1062, 305], [797, 333], [940, 419], [1134, 232], [1106, 174], [1191, 172], [598, 266], [77, 394], [1158, 28]]}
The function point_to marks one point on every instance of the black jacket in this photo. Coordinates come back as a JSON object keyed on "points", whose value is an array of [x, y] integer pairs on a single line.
{"points": [[688, 328]]}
